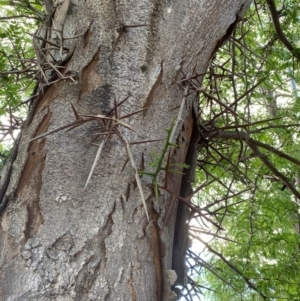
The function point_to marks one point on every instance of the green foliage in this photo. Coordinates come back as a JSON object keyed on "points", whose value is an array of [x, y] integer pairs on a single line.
{"points": [[4, 152], [258, 256], [158, 160], [17, 71]]}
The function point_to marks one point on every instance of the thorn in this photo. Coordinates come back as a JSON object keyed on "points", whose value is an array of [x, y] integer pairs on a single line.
{"points": [[95, 162], [75, 112]]}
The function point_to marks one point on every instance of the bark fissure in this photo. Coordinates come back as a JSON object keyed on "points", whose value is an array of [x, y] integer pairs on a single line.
{"points": [[131, 284], [89, 77], [181, 240], [156, 86], [157, 256], [87, 36], [32, 177], [35, 156]]}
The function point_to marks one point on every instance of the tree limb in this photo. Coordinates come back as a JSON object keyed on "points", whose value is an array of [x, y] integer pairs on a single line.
{"points": [[245, 137], [274, 170], [235, 269], [280, 34], [254, 144]]}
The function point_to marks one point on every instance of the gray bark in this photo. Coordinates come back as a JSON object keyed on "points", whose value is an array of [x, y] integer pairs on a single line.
{"points": [[60, 241]]}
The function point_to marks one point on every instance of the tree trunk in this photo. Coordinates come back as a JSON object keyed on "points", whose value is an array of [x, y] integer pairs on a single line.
{"points": [[60, 240]]}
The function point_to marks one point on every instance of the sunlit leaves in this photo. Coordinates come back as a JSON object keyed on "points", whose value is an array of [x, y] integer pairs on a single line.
{"points": [[264, 220], [17, 18]]}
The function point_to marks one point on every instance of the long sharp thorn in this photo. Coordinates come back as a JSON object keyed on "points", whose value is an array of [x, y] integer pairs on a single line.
{"points": [[116, 43], [145, 141], [99, 116], [124, 164], [138, 25], [130, 114], [109, 112], [95, 163], [137, 177], [52, 132], [75, 112], [124, 124], [80, 122]]}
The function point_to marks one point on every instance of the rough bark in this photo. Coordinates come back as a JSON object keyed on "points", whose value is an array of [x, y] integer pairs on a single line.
{"points": [[60, 241]]}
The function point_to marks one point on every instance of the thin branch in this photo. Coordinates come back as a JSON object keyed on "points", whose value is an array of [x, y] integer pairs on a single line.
{"points": [[283, 126], [196, 229], [19, 16], [280, 34], [245, 137], [274, 170], [235, 269], [209, 268]]}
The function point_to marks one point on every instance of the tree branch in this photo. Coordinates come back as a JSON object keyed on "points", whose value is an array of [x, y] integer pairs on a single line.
{"points": [[274, 170], [254, 144], [236, 135], [235, 269], [280, 34], [19, 16]]}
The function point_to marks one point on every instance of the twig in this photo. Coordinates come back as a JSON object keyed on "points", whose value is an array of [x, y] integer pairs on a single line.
{"points": [[280, 34]]}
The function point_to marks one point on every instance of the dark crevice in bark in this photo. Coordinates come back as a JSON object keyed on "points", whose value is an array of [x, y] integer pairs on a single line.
{"points": [[9, 162], [155, 241], [86, 279], [181, 228], [280, 34], [89, 272], [87, 72], [131, 286], [32, 177], [87, 37], [153, 93]]}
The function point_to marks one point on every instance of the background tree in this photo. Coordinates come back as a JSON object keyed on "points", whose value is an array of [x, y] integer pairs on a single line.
{"points": [[74, 227]]}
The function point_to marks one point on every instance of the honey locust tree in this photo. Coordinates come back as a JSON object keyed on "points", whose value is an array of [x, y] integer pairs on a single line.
{"points": [[86, 207]]}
